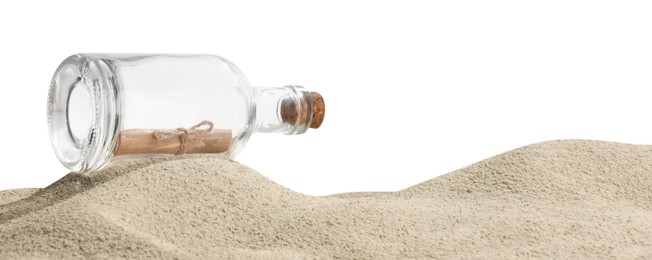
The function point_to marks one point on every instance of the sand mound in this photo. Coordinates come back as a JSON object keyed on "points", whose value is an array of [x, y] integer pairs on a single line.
{"points": [[579, 199]]}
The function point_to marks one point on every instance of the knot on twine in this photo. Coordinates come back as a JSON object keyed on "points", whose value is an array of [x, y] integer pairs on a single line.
{"points": [[183, 133]]}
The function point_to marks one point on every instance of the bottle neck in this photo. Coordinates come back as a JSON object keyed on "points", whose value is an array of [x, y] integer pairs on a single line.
{"points": [[288, 110]]}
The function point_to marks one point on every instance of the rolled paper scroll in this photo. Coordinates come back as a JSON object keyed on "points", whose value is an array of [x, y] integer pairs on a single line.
{"points": [[201, 138]]}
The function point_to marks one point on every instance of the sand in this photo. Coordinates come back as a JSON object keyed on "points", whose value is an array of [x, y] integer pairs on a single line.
{"points": [[558, 199]]}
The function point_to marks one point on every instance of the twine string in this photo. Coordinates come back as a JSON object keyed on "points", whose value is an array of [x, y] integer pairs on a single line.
{"points": [[183, 133]]}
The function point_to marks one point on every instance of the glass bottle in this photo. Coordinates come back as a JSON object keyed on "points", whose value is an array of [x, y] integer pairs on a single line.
{"points": [[106, 105]]}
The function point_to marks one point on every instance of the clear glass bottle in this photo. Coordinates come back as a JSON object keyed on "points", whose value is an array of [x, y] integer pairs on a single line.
{"points": [[106, 105]]}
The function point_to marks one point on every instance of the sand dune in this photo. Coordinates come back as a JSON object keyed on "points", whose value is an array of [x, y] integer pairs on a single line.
{"points": [[561, 199]]}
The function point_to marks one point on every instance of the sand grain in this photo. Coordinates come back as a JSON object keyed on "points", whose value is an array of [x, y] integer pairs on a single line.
{"points": [[560, 199]]}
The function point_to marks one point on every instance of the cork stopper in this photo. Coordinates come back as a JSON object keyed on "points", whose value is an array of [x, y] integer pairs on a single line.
{"points": [[318, 110], [290, 111]]}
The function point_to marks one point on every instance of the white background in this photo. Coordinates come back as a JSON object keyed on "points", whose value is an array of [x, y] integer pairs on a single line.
{"points": [[413, 89]]}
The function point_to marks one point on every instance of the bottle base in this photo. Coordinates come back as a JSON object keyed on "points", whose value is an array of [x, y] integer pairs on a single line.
{"points": [[83, 116]]}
